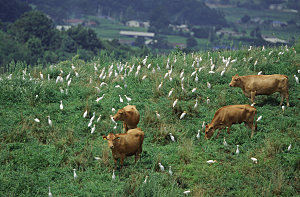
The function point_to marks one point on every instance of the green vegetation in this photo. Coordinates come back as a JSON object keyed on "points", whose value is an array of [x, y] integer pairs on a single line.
{"points": [[35, 156]]}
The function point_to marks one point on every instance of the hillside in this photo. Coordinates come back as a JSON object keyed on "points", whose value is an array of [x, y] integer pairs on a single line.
{"points": [[35, 156]]}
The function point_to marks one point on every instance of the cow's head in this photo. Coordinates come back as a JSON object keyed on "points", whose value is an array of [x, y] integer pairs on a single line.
{"points": [[209, 131], [235, 81], [120, 115], [112, 139]]}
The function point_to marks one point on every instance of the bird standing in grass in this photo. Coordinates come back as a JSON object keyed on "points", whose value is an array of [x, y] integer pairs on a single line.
{"points": [[175, 102], [297, 79], [113, 177], [128, 98], [172, 137], [49, 194], [85, 114], [170, 171], [290, 146], [196, 104], [224, 142], [186, 192], [211, 161], [36, 120], [61, 106], [157, 115], [162, 168], [254, 159], [170, 93], [145, 181], [74, 173], [49, 121], [259, 118], [121, 100], [198, 135], [237, 152], [182, 115]]}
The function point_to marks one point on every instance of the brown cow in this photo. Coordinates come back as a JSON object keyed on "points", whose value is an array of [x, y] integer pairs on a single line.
{"points": [[262, 85], [231, 114], [129, 115], [125, 144]]}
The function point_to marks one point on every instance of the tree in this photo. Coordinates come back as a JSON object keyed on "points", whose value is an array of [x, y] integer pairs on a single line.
{"points": [[191, 42], [139, 41], [245, 19]]}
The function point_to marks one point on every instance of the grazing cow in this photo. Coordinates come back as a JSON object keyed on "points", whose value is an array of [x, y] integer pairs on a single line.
{"points": [[129, 115], [262, 85], [125, 144], [231, 114]]}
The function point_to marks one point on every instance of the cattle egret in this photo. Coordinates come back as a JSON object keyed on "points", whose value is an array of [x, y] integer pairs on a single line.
{"points": [[182, 73], [196, 78], [145, 60], [193, 73], [175, 102], [69, 82], [211, 72], [196, 104], [296, 78], [159, 86], [113, 177], [170, 171], [36, 120], [194, 89], [128, 98], [49, 194], [144, 77], [212, 67], [157, 114], [259, 73], [254, 160], [41, 76], [198, 135], [208, 85], [93, 129], [61, 90], [207, 100], [93, 117], [298, 71], [172, 137], [170, 93], [49, 121], [61, 106], [68, 76], [211, 161], [113, 110], [57, 79], [259, 118], [237, 150], [74, 173], [145, 181], [97, 158], [84, 114], [161, 167], [90, 124], [186, 192], [76, 74], [224, 142], [99, 118], [118, 86], [101, 97], [290, 146], [115, 127], [121, 100], [203, 125], [102, 84], [223, 72], [283, 108], [182, 115], [252, 104]]}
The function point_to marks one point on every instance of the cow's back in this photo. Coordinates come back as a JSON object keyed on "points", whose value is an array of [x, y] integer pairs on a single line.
{"points": [[132, 116], [131, 141]]}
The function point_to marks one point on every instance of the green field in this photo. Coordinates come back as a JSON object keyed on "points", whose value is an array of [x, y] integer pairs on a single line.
{"points": [[34, 155]]}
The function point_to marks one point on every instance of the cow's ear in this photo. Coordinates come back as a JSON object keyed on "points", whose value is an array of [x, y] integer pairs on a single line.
{"points": [[104, 137]]}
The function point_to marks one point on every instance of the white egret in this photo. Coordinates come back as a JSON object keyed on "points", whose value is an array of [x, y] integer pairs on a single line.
{"points": [[182, 115], [208, 85], [41, 76], [170, 93], [181, 74], [283, 108], [290, 146], [259, 118], [49, 121], [223, 72], [68, 76], [121, 100], [145, 181], [128, 98], [113, 110], [69, 82], [118, 86], [297, 79], [203, 125], [74, 173], [194, 90], [259, 73], [175, 102], [170, 171], [157, 114], [93, 129], [224, 142], [97, 158], [162, 168], [198, 135], [85, 114], [49, 194], [102, 84], [172, 137], [207, 100], [254, 159], [99, 118], [61, 106], [237, 150], [113, 177], [112, 119], [196, 78], [36, 120], [196, 104], [144, 77], [186, 192], [160, 85], [211, 161]]}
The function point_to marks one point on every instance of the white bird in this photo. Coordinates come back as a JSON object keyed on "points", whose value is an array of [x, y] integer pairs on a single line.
{"points": [[121, 100], [61, 90], [186, 192], [49, 121], [128, 98], [97, 158], [69, 82], [159, 86], [74, 173], [113, 177], [41, 76], [157, 114], [290, 146], [102, 84], [208, 85], [161, 167], [145, 181], [172, 137], [224, 142], [118, 86], [198, 135], [36, 120], [259, 73], [144, 77], [93, 117], [90, 124], [61, 106], [283, 108], [196, 104], [259, 118], [170, 171], [182, 115], [207, 100], [100, 98], [203, 125], [113, 110], [170, 93], [297, 79], [237, 150], [194, 89], [85, 114], [182, 73], [175, 102], [254, 159], [93, 129], [49, 194], [211, 161], [223, 72], [99, 118], [68, 76], [211, 72]]}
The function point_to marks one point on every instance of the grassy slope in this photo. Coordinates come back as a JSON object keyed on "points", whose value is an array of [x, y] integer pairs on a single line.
{"points": [[35, 156]]}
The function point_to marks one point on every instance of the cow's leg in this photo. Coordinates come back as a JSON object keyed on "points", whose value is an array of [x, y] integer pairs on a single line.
{"points": [[253, 93], [287, 99], [115, 161], [228, 129], [252, 128]]}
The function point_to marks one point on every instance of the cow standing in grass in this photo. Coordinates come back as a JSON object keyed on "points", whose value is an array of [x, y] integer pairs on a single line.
{"points": [[129, 115], [253, 85], [229, 115], [125, 144]]}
